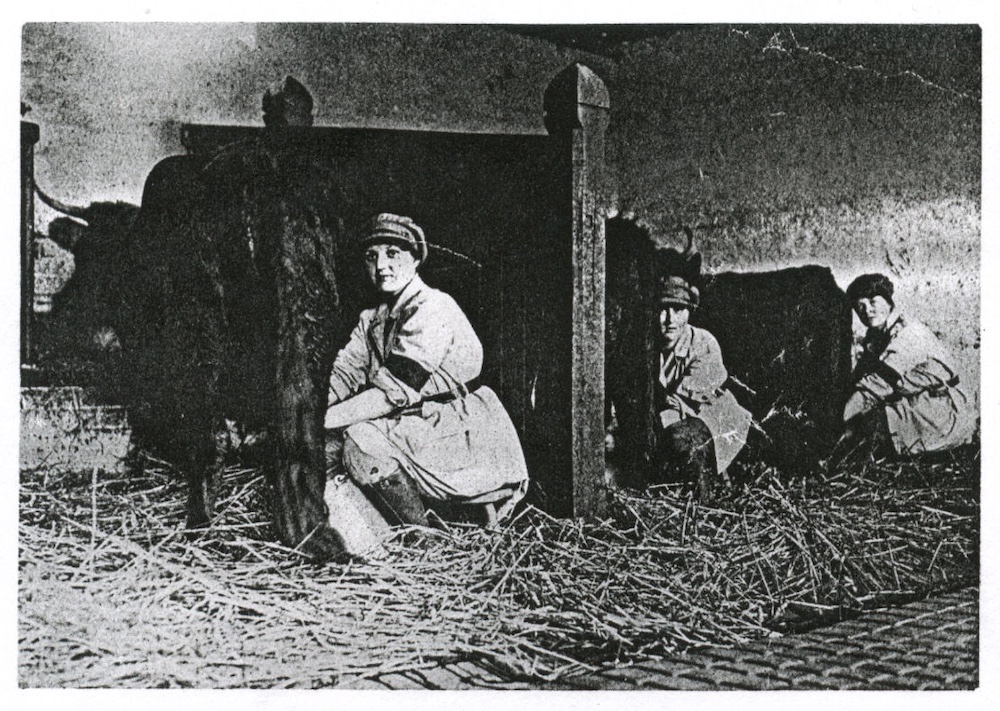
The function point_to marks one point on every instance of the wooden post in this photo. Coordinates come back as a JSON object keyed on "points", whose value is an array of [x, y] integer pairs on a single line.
{"points": [[29, 137], [577, 111]]}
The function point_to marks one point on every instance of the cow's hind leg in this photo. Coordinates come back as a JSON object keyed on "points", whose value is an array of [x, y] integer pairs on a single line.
{"points": [[200, 467]]}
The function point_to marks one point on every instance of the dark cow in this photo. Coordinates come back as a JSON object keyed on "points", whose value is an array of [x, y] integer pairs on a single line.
{"points": [[231, 313], [785, 337], [222, 293], [75, 342], [214, 301]]}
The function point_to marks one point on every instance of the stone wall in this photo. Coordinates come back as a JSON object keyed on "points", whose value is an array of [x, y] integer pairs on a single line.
{"points": [[857, 148]]}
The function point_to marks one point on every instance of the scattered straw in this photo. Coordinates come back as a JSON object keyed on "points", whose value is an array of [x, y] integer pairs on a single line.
{"points": [[112, 593]]}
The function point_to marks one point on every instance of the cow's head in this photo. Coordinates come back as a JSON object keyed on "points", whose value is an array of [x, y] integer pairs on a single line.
{"points": [[82, 322]]}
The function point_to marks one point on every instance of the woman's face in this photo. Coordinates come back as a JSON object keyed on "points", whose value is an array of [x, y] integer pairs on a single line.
{"points": [[873, 312], [673, 319], [390, 267]]}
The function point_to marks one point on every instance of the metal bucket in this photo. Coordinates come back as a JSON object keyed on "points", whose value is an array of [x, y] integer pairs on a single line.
{"points": [[352, 515]]}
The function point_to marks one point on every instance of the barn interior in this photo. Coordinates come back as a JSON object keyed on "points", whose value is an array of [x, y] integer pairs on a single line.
{"points": [[799, 155], [854, 148]]}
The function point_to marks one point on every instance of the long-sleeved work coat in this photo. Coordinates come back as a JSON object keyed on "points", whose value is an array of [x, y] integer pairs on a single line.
{"points": [[423, 345], [692, 378], [907, 370]]}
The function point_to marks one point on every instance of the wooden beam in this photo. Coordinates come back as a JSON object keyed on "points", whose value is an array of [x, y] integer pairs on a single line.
{"points": [[577, 108], [29, 137]]}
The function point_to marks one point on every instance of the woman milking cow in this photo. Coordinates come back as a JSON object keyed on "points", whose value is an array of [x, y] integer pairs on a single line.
{"points": [[408, 420], [702, 427], [698, 426]]}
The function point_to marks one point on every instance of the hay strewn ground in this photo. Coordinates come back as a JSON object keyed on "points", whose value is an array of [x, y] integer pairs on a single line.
{"points": [[113, 594]]}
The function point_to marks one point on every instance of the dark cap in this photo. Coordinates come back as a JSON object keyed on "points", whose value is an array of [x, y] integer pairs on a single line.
{"points": [[677, 291], [387, 228], [868, 286]]}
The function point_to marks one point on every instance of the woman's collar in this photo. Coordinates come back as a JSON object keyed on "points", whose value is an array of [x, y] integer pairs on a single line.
{"points": [[393, 307], [890, 322]]}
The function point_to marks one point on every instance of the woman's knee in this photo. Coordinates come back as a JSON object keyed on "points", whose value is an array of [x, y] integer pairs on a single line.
{"points": [[687, 455], [364, 459], [686, 439]]}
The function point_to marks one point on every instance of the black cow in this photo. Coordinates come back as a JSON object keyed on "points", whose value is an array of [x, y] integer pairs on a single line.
{"points": [[221, 295], [75, 342], [216, 300], [785, 337], [230, 312]]}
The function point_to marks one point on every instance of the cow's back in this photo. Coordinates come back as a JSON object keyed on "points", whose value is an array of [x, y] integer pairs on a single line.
{"points": [[786, 336]]}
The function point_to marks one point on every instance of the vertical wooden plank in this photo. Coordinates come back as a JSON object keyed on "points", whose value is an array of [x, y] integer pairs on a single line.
{"points": [[29, 137], [631, 353], [576, 111]]}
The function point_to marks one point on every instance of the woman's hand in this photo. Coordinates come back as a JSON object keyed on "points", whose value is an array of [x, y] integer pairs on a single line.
{"points": [[669, 417], [859, 403]]}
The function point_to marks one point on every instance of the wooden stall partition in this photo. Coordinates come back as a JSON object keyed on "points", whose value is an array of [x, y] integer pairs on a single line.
{"points": [[577, 108], [29, 137], [520, 219]]}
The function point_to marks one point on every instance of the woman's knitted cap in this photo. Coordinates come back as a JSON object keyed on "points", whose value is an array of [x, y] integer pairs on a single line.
{"points": [[677, 291], [868, 286]]}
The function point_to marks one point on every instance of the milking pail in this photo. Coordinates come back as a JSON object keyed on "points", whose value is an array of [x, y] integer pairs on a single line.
{"points": [[353, 517]]}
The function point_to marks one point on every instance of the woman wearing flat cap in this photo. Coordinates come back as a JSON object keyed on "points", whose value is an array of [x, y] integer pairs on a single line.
{"points": [[907, 396], [405, 397], [703, 426]]}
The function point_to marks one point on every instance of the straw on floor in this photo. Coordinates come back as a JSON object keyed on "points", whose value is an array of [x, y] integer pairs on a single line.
{"points": [[112, 593]]}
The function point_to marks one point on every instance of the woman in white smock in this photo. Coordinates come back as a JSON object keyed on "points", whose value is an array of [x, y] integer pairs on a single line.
{"points": [[405, 396], [908, 397], [702, 426]]}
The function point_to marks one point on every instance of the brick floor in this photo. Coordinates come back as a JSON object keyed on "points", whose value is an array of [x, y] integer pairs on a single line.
{"points": [[929, 644]]}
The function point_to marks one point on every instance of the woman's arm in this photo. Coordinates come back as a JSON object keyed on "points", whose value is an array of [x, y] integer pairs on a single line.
{"points": [[350, 366], [877, 387], [930, 375], [706, 372], [368, 404], [912, 362]]}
